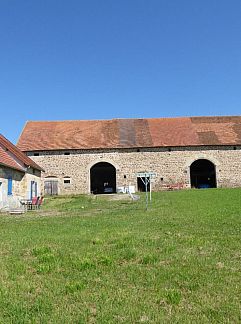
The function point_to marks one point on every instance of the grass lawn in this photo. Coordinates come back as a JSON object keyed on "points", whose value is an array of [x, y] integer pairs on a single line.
{"points": [[84, 260]]}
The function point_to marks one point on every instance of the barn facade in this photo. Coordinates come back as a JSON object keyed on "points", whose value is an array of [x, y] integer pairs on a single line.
{"points": [[105, 156]]}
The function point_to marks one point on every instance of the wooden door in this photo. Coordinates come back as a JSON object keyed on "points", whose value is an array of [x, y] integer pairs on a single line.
{"points": [[51, 187]]}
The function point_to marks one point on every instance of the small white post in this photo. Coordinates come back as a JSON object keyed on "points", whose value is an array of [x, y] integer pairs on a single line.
{"points": [[150, 187]]}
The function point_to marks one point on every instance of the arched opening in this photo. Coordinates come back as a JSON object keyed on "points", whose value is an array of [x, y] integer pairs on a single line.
{"points": [[203, 174], [103, 178]]}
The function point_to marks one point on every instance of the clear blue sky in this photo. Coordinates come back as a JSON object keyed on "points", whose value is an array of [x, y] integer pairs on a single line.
{"points": [[101, 59]]}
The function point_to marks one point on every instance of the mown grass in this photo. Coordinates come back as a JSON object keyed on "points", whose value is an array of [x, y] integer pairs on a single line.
{"points": [[84, 260]]}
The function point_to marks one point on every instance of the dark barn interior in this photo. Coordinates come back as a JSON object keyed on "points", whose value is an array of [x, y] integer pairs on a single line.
{"points": [[203, 174], [103, 178], [141, 184]]}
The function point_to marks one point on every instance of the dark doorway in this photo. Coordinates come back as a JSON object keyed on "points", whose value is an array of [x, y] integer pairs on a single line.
{"points": [[103, 178], [141, 184], [203, 174]]}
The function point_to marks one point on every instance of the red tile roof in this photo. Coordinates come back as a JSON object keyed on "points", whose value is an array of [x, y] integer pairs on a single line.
{"points": [[130, 133], [7, 160], [12, 157]]}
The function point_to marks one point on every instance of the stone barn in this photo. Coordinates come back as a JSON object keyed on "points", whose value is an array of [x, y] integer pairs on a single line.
{"points": [[104, 156]]}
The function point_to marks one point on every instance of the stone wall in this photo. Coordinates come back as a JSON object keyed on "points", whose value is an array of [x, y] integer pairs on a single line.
{"points": [[171, 165], [32, 175], [21, 183], [17, 178]]}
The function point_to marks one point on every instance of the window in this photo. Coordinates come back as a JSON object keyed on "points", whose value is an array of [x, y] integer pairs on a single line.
{"points": [[36, 154], [67, 180], [10, 186], [66, 153]]}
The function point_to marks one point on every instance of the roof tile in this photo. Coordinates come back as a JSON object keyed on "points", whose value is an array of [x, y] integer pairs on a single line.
{"points": [[10, 156], [127, 133], [7, 160]]}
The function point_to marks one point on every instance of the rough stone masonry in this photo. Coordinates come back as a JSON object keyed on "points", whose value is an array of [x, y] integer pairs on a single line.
{"points": [[171, 166]]}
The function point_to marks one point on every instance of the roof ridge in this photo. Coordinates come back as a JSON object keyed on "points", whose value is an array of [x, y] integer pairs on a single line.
{"points": [[124, 118]]}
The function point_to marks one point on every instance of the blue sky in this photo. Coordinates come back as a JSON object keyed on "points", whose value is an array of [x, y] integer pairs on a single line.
{"points": [[101, 59]]}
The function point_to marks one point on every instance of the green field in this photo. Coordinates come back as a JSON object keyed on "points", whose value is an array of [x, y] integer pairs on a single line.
{"points": [[85, 260]]}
